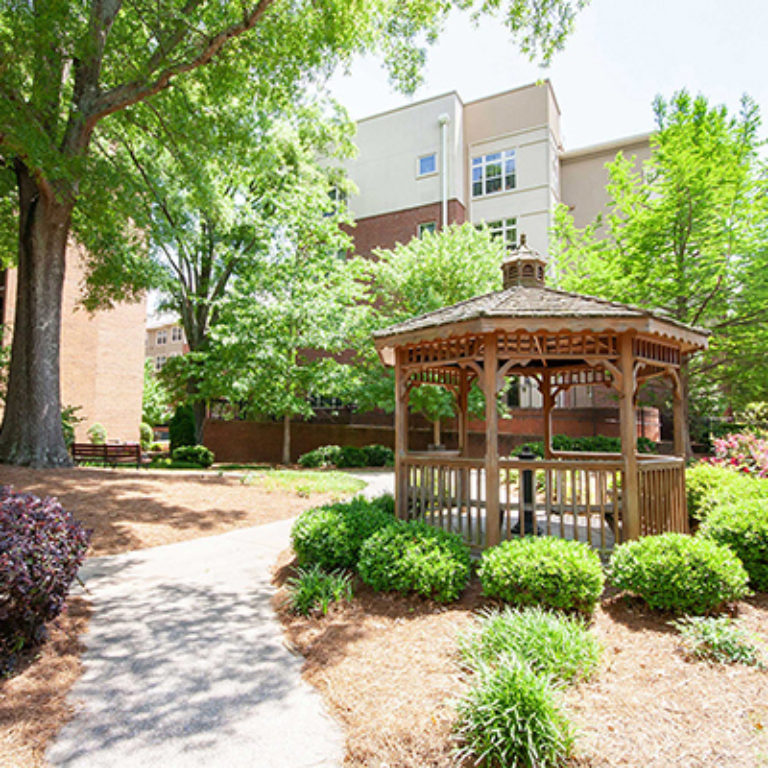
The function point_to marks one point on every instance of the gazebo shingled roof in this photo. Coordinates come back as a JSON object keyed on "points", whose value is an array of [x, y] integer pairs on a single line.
{"points": [[561, 339]]}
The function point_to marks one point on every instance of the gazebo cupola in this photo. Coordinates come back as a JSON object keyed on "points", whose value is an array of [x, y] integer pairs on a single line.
{"points": [[524, 266]]}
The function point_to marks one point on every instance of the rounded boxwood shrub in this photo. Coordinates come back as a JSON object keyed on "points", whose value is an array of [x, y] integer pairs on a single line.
{"points": [[41, 549], [331, 536], [744, 528], [510, 717], [97, 434], [555, 573], [415, 557], [193, 454], [324, 456], [680, 573], [379, 456]]}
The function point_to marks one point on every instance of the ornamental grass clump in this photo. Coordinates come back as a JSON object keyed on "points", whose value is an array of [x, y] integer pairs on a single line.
{"points": [[743, 527], [554, 645], [679, 573], [41, 549], [313, 590], [415, 557], [510, 718], [331, 536], [718, 639], [554, 573]]}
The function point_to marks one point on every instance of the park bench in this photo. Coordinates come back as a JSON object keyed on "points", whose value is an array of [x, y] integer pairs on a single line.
{"points": [[109, 453]]}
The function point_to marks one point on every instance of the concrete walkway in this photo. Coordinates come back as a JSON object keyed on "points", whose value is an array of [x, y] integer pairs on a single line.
{"points": [[185, 664]]}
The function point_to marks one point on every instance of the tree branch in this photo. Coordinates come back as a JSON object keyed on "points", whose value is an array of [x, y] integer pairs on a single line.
{"points": [[125, 95]]}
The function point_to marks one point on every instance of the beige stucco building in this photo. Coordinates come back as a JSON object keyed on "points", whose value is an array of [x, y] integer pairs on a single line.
{"points": [[164, 339], [102, 355]]}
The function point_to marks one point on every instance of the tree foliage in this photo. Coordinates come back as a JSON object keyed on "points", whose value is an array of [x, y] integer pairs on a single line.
{"points": [[684, 234]]}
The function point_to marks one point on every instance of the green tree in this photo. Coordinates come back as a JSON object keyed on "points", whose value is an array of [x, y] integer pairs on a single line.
{"points": [[423, 275], [67, 68], [685, 235], [156, 403]]}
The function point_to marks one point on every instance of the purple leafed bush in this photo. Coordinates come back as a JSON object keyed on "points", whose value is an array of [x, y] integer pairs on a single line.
{"points": [[41, 549]]}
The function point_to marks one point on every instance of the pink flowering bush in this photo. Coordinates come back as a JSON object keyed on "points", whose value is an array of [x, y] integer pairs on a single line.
{"points": [[742, 452], [41, 549]]}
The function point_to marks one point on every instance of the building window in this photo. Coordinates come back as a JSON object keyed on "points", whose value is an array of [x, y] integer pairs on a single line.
{"points": [[493, 173], [159, 362], [427, 165], [506, 230], [176, 333], [427, 227], [162, 337]]}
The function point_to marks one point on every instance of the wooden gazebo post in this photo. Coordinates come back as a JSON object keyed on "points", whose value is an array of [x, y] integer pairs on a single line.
{"points": [[490, 388], [548, 404], [628, 426], [401, 436]]}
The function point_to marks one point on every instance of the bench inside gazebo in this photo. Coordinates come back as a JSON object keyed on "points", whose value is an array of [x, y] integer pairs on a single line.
{"points": [[559, 340]]}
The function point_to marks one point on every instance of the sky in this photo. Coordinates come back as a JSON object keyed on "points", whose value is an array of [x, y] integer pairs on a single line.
{"points": [[621, 54]]}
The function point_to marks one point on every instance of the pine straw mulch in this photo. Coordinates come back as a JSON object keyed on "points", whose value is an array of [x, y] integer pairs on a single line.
{"points": [[132, 509], [126, 511], [386, 666], [33, 702]]}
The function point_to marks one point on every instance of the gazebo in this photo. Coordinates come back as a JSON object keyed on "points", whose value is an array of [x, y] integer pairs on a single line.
{"points": [[559, 340]]}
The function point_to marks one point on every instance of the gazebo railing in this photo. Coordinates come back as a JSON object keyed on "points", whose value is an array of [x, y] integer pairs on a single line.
{"points": [[661, 484], [573, 499]]}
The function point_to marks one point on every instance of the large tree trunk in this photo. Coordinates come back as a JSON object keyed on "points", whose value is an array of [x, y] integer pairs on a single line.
{"points": [[31, 432]]}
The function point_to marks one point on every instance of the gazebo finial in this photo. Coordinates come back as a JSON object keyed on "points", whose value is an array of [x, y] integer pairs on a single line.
{"points": [[525, 267]]}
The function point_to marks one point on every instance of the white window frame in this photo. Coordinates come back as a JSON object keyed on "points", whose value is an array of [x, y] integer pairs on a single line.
{"points": [[177, 334], [426, 226], [425, 174], [161, 337], [506, 229], [160, 361], [504, 158]]}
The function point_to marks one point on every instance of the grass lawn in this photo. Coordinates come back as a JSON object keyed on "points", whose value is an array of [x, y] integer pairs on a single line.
{"points": [[129, 509], [386, 667]]}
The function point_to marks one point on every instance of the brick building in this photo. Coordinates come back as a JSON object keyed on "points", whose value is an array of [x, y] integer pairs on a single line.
{"points": [[102, 357]]}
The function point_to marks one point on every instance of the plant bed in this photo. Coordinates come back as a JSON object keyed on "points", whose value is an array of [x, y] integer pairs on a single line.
{"points": [[386, 665]]}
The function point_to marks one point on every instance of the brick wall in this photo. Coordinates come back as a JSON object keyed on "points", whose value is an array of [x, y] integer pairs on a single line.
{"points": [[388, 229], [245, 441]]}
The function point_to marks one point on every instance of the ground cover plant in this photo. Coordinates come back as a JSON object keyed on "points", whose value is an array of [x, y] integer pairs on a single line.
{"points": [[313, 590], [719, 639], [415, 557], [680, 573], [332, 536], [42, 547], [511, 718], [555, 573], [554, 645]]}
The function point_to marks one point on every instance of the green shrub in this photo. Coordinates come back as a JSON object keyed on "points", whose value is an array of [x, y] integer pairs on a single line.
{"points": [[97, 434], [557, 646], [348, 456], [181, 428], [193, 454], [331, 536], [680, 573], [708, 486], [510, 718], [69, 420], [166, 462], [352, 457], [324, 456], [145, 435], [313, 590], [717, 639], [555, 573], [744, 528], [416, 557], [379, 456], [592, 444]]}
